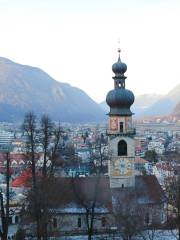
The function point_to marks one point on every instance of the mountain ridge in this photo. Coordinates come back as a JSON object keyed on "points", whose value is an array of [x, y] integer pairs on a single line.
{"points": [[24, 88], [176, 111]]}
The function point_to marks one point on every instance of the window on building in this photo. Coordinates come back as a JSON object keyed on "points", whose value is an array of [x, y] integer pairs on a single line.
{"points": [[121, 127], [103, 221], [54, 223], [16, 219], [10, 220], [122, 148], [79, 222], [122, 185], [146, 220], [162, 217]]}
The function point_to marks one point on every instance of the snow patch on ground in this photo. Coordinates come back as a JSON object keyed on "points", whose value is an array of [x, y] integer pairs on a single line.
{"points": [[159, 235]]}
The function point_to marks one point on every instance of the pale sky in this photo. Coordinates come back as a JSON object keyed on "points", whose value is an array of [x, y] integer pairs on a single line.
{"points": [[76, 41]]}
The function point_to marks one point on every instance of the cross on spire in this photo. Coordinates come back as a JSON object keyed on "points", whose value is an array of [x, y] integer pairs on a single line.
{"points": [[119, 50]]}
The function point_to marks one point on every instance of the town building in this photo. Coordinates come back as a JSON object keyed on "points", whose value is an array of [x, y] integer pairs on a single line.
{"points": [[156, 146], [141, 144], [142, 166]]}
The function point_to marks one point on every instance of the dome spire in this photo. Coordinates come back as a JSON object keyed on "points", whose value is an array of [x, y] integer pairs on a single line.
{"points": [[119, 68], [119, 50]]}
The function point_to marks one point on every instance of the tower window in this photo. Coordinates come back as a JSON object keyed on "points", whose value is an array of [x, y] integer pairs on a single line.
{"points": [[121, 127], [103, 221], [54, 222], [10, 220], [79, 222], [122, 148], [16, 219], [147, 221]]}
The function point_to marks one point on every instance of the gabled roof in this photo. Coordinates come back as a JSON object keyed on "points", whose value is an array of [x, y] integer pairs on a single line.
{"points": [[24, 180], [147, 186], [81, 192]]}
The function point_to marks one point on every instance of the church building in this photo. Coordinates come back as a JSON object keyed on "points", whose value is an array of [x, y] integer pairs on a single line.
{"points": [[121, 196]]}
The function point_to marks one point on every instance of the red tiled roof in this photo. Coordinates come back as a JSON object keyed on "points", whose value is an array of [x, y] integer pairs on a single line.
{"points": [[23, 180], [140, 160], [13, 156]]}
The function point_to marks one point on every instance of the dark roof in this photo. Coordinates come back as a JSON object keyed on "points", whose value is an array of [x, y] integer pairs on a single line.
{"points": [[149, 187], [147, 191], [119, 101], [82, 191]]}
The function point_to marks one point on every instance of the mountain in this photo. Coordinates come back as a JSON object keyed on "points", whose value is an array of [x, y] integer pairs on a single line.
{"points": [[25, 88], [104, 106], [165, 105], [176, 112], [143, 102]]}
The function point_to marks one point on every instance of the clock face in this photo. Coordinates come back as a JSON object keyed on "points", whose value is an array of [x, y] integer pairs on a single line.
{"points": [[114, 124], [122, 167]]}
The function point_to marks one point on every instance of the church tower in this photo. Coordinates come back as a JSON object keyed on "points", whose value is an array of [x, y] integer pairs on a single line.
{"points": [[120, 130]]}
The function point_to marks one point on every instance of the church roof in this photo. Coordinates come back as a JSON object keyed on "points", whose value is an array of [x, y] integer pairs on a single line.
{"points": [[77, 193], [147, 191], [81, 192], [149, 187]]}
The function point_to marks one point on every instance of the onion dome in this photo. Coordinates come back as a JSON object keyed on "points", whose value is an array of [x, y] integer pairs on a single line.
{"points": [[119, 67], [120, 101]]}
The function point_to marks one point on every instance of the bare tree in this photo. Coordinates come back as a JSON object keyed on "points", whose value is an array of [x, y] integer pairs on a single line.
{"points": [[173, 198], [46, 135], [128, 214], [98, 155], [55, 152], [46, 132], [30, 130], [90, 202], [4, 203], [49, 139]]}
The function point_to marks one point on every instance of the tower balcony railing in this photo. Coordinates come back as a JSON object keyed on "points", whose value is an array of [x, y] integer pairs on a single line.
{"points": [[128, 132], [113, 158]]}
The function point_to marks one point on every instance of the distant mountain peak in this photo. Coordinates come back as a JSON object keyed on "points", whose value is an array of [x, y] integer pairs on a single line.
{"points": [[5, 60], [24, 88]]}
